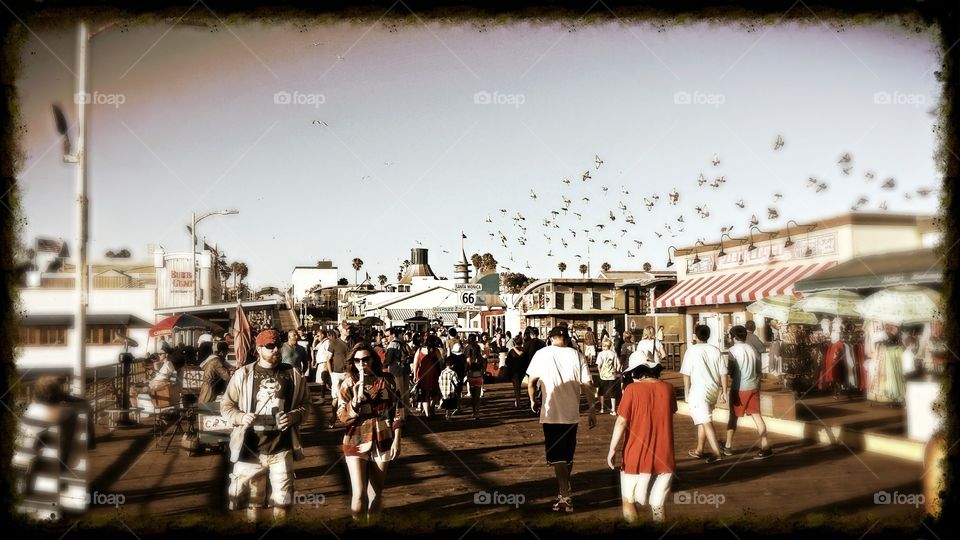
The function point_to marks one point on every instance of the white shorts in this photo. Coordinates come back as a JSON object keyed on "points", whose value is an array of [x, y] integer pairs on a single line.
{"points": [[591, 351], [374, 455], [633, 488], [335, 380], [248, 482], [701, 412]]}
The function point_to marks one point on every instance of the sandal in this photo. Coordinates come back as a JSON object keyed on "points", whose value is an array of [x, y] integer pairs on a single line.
{"points": [[695, 454]]}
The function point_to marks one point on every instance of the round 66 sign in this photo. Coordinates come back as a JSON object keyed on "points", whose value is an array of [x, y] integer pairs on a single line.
{"points": [[468, 293]]}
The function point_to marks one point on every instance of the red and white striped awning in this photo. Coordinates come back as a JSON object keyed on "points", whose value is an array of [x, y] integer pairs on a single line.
{"points": [[736, 287]]}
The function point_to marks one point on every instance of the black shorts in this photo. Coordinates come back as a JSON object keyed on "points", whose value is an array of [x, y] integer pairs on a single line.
{"points": [[560, 441], [449, 404], [610, 389]]}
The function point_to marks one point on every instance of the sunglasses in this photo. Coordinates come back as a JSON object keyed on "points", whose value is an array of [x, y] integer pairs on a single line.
{"points": [[357, 360], [270, 346]]}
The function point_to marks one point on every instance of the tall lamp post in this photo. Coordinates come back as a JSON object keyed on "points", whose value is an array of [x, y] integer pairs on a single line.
{"points": [[77, 154], [193, 242]]}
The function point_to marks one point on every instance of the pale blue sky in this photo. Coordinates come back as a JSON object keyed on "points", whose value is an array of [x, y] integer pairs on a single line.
{"points": [[199, 130]]}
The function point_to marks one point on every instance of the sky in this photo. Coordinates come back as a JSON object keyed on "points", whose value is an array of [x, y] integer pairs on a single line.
{"points": [[361, 140]]}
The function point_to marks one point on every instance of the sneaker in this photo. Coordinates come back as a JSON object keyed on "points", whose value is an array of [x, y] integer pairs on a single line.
{"points": [[764, 454], [713, 459], [725, 450], [563, 504], [695, 454], [613, 413]]}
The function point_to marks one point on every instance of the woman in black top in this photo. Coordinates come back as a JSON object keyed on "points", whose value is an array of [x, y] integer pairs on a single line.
{"points": [[517, 367]]}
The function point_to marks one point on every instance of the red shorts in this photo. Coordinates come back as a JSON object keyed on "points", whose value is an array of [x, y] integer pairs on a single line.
{"points": [[746, 402]]}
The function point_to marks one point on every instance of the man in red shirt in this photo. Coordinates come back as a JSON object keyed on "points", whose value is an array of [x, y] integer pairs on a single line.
{"points": [[645, 422]]}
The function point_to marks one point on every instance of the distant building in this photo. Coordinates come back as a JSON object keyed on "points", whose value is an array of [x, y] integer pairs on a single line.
{"points": [[580, 302], [305, 278]]}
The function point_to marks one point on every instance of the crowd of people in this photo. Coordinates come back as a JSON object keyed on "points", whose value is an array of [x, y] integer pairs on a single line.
{"points": [[375, 380]]}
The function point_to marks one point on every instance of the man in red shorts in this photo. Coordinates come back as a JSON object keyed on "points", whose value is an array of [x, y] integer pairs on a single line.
{"points": [[744, 375]]}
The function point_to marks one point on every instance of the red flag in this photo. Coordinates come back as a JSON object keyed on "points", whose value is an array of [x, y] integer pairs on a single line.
{"points": [[241, 343]]}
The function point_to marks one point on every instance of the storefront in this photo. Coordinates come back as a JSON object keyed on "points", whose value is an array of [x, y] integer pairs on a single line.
{"points": [[580, 303], [715, 282]]}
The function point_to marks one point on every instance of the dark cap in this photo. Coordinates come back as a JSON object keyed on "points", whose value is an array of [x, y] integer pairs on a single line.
{"points": [[559, 331]]}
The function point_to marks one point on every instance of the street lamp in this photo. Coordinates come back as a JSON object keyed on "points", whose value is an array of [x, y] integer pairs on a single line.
{"points": [[78, 155], [722, 252], [669, 260], [193, 242]]}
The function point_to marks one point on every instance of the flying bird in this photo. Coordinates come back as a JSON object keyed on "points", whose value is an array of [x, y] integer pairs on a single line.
{"points": [[812, 181], [777, 196], [612, 216], [503, 210], [630, 254], [778, 144], [604, 189], [883, 205], [754, 221], [868, 176], [924, 192], [623, 190], [648, 203], [674, 196], [579, 216], [740, 203], [847, 170], [845, 158], [772, 213], [532, 194], [889, 183], [566, 181], [586, 176], [716, 159], [821, 186], [680, 219], [586, 199], [701, 180], [319, 123], [597, 160]]}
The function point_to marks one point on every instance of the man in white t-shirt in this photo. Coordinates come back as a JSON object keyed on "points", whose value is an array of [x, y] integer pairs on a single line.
{"points": [[562, 376], [704, 383], [754, 341]]}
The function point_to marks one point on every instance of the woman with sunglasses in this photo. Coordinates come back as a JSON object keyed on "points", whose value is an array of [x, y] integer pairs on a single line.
{"points": [[369, 410]]}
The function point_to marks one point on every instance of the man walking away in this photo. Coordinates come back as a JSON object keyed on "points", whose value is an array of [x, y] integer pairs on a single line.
{"points": [[562, 376], [745, 391], [704, 382]]}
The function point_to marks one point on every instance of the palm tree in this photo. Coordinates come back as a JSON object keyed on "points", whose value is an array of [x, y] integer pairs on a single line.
{"points": [[225, 271], [605, 267], [382, 279], [647, 266], [562, 267], [242, 271], [357, 264], [583, 270], [235, 270]]}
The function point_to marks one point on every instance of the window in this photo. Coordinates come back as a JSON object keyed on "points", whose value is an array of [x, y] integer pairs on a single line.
{"points": [[103, 334], [559, 304], [577, 300], [43, 335], [596, 300]]}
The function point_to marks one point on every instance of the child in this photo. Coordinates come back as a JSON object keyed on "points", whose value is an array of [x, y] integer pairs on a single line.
{"points": [[609, 367], [475, 380], [449, 387]]}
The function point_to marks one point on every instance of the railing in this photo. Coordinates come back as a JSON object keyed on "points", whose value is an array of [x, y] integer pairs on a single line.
{"points": [[104, 385]]}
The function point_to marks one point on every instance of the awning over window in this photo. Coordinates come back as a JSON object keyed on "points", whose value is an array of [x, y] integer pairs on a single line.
{"points": [[737, 287], [448, 318], [99, 319], [916, 267]]}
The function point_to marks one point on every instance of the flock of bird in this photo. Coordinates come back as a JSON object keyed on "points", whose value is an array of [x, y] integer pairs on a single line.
{"points": [[573, 224]]}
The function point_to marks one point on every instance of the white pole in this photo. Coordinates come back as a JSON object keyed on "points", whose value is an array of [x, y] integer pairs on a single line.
{"points": [[193, 255], [80, 320]]}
